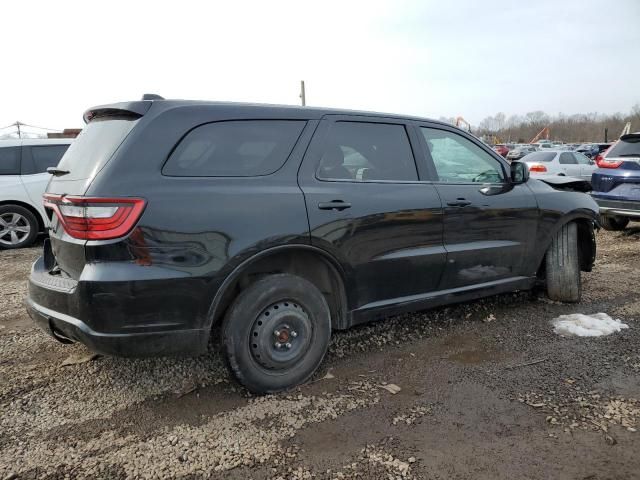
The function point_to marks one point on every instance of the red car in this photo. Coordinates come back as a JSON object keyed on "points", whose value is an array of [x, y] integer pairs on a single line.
{"points": [[502, 149]]}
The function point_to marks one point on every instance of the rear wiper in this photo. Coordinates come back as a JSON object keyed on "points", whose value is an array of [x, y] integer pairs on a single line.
{"points": [[56, 172]]}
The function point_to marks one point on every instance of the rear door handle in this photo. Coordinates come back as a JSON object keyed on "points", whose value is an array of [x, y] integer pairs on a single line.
{"points": [[460, 202], [334, 205]]}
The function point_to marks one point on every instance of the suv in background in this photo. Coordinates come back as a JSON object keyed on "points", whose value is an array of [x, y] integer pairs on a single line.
{"points": [[520, 151], [590, 150], [272, 226], [23, 180], [616, 183]]}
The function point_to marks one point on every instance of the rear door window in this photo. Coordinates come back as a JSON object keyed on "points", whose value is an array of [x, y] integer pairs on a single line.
{"points": [[46, 156], [238, 148], [581, 159], [567, 159], [9, 160], [366, 151]]}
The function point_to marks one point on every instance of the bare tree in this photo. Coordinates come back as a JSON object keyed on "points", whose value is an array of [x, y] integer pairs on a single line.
{"points": [[580, 127]]}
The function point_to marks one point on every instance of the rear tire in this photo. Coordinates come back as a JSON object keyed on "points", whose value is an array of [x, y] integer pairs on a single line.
{"points": [[18, 227], [563, 266], [276, 333], [614, 224]]}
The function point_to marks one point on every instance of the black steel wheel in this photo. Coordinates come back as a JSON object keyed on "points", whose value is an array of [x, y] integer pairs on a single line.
{"points": [[276, 333]]}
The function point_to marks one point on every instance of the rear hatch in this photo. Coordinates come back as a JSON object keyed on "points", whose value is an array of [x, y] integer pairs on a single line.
{"points": [[107, 128], [619, 170]]}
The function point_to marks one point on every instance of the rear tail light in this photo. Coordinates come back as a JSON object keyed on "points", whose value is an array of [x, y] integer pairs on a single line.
{"points": [[601, 159], [91, 218], [602, 162], [538, 168]]}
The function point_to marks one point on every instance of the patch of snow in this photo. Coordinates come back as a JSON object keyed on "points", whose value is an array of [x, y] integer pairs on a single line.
{"points": [[579, 325]]}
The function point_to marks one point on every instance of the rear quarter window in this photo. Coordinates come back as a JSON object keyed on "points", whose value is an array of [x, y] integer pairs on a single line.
{"points": [[238, 148], [9, 160]]}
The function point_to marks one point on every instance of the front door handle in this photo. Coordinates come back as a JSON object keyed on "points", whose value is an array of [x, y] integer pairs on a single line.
{"points": [[460, 202], [334, 205]]}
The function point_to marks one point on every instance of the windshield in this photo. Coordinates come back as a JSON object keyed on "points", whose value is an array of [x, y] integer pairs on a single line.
{"points": [[94, 146], [629, 147], [540, 157]]}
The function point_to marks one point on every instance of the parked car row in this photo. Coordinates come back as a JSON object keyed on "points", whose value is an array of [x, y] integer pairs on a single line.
{"points": [[512, 151], [614, 173], [559, 162]]}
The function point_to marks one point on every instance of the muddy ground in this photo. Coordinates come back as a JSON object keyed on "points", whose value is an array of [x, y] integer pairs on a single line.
{"points": [[488, 391]]}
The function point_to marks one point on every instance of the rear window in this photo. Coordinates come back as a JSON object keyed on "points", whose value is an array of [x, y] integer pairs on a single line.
{"points": [[540, 157], [47, 156], [9, 160], [95, 145], [238, 148], [626, 148]]}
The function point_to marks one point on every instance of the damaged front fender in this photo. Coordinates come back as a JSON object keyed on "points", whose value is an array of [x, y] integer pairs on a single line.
{"points": [[573, 184]]}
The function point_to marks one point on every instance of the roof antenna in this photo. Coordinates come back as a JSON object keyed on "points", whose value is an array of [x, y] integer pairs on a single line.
{"points": [[151, 96]]}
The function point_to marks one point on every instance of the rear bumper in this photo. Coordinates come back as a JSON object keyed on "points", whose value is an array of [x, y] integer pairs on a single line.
{"points": [[67, 329], [129, 325], [623, 208]]}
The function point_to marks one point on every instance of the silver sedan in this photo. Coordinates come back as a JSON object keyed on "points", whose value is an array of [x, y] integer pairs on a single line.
{"points": [[560, 162]]}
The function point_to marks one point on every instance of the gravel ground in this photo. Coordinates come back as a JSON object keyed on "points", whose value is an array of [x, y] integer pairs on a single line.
{"points": [[486, 391]]}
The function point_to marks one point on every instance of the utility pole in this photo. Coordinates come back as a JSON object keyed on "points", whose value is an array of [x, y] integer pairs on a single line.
{"points": [[302, 93], [18, 125], [606, 135]]}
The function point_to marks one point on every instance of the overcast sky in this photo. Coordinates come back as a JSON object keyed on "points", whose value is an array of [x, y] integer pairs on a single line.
{"points": [[428, 58]]}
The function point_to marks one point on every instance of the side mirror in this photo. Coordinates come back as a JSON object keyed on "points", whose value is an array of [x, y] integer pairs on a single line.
{"points": [[519, 172]]}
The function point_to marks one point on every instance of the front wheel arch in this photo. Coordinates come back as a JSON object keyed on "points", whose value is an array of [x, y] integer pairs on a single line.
{"points": [[586, 242]]}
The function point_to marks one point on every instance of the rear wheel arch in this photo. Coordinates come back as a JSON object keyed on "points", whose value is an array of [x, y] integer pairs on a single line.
{"points": [[308, 262]]}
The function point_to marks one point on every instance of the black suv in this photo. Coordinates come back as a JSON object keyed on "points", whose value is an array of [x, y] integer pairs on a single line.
{"points": [[279, 224]]}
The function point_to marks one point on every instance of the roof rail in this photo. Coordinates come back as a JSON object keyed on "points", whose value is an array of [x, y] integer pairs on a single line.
{"points": [[151, 96]]}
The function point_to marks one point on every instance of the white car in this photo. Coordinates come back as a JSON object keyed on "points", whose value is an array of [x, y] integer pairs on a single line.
{"points": [[560, 162], [23, 180]]}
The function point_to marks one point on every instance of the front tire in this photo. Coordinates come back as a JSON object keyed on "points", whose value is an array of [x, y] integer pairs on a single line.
{"points": [[563, 266], [614, 224], [18, 227], [276, 333]]}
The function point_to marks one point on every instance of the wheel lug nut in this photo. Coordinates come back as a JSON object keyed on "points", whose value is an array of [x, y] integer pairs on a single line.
{"points": [[276, 333], [288, 345], [278, 345], [294, 334]]}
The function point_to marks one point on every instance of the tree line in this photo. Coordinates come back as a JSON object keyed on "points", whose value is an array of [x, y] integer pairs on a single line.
{"points": [[577, 128]]}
